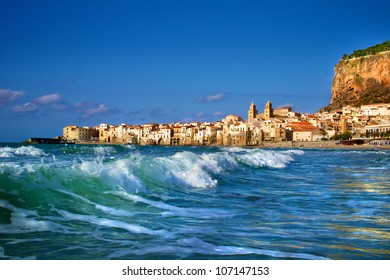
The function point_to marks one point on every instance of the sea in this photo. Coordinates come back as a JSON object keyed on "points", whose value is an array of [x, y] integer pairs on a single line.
{"points": [[99, 202]]}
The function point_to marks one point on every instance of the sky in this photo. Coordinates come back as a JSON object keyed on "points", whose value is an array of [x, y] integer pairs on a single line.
{"points": [[90, 62]]}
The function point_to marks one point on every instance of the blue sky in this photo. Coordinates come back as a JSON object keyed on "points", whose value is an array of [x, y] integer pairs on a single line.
{"points": [[89, 62]]}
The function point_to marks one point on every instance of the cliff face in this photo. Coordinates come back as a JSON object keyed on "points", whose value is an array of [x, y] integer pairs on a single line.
{"points": [[362, 80]]}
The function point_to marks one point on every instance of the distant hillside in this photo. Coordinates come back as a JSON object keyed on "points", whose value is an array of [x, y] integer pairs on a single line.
{"points": [[362, 80], [385, 46]]}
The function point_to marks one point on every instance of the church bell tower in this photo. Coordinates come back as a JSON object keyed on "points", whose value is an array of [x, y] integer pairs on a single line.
{"points": [[252, 112], [268, 111]]}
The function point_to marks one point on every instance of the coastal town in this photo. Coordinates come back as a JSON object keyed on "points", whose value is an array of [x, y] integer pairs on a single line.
{"points": [[279, 125]]}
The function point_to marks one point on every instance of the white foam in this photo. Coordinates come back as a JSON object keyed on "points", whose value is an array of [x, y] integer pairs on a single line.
{"points": [[201, 213], [129, 147], [190, 246], [105, 209], [231, 250], [295, 152], [188, 168], [104, 150], [264, 159], [24, 221], [31, 151], [116, 173], [218, 162], [198, 170], [234, 149], [182, 168], [255, 157], [11, 168], [110, 223]]}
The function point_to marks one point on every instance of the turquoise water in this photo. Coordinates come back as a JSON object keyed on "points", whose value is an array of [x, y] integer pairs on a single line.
{"points": [[126, 202]]}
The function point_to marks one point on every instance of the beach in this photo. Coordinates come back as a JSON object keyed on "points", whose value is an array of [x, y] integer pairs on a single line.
{"points": [[320, 145]]}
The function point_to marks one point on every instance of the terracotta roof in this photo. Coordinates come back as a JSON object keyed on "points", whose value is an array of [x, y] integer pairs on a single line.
{"points": [[305, 129]]}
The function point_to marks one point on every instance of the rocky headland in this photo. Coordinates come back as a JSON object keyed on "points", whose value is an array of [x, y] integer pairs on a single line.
{"points": [[362, 78]]}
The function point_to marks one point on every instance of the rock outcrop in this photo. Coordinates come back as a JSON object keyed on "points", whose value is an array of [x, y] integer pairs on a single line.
{"points": [[361, 80]]}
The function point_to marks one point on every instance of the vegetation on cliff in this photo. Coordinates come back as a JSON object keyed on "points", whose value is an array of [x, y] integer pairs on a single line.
{"points": [[385, 46]]}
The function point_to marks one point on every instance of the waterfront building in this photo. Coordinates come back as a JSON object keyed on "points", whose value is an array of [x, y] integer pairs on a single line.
{"points": [[75, 133], [274, 130], [302, 131], [105, 133], [377, 128], [281, 124], [255, 137], [304, 134], [176, 135]]}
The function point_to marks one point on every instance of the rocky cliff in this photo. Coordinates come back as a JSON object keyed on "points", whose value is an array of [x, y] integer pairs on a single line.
{"points": [[361, 80]]}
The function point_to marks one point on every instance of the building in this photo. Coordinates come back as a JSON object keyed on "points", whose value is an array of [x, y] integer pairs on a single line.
{"points": [[252, 112], [282, 112], [381, 109], [281, 124], [274, 130], [268, 111], [377, 128], [76, 133], [302, 131], [105, 133]]}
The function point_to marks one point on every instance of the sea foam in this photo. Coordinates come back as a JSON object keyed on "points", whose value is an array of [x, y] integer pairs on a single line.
{"points": [[181, 168], [194, 245], [200, 213], [109, 223], [25, 221], [263, 158], [29, 151]]}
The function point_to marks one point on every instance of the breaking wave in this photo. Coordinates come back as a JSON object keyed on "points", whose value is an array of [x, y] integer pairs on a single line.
{"points": [[134, 170], [184, 168], [29, 151], [133, 202]]}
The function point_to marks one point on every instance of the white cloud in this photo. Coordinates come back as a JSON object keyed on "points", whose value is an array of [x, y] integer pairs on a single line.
{"points": [[54, 102], [25, 108], [7, 95], [37, 103], [212, 98], [100, 109], [219, 114], [47, 99], [200, 115], [89, 109]]}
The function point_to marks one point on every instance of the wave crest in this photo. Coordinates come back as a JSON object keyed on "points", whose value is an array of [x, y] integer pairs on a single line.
{"points": [[134, 171], [30, 151]]}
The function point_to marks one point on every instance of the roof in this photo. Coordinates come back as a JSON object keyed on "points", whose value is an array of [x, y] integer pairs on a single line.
{"points": [[301, 126]]}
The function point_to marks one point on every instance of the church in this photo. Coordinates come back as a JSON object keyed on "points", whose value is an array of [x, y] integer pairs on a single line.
{"points": [[254, 114]]}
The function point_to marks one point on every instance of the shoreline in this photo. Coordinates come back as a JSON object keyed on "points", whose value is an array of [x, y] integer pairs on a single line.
{"points": [[265, 145], [321, 145]]}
